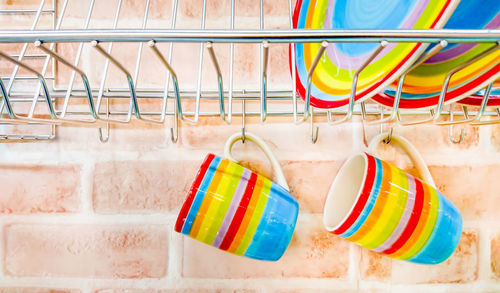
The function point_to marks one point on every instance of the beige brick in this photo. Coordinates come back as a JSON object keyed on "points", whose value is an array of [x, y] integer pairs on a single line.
{"points": [[36, 290], [39, 189], [475, 199], [217, 9], [318, 291], [374, 266], [495, 137], [288, 141], [279, 77], [200, 290], [309, 182], [139, 186], [98, 251]]}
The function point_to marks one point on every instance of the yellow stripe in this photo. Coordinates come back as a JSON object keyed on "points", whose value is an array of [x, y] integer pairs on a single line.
{"points": [[248, 214], [393, 207], [218, 208], [256, 216], [422, 222], [335, 80], [207, 199], [429, 226], [380, 203]]}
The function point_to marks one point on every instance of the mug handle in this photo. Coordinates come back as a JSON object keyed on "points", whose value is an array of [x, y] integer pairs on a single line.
{"points": [[410, 150], [280, 177]]}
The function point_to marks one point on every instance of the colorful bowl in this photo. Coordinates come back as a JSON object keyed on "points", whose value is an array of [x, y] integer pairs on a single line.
{"points": [[423, 84], [477, 98], [333, 76]]}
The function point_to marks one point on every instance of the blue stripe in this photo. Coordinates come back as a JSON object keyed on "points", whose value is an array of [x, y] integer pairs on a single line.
{"points": [[200, 194], [409, 96], [370, 203], [275, 229], [445, 235]]}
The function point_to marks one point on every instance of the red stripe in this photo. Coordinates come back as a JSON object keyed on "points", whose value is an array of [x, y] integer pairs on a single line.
{"points": [[319, 103], [192, 192], [240, 212], [363, 197], [477, 100], [412, 223], [476, 83]]}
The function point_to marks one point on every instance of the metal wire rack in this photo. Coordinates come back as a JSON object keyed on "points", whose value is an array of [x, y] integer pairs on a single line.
{"points": [[40, 98]]}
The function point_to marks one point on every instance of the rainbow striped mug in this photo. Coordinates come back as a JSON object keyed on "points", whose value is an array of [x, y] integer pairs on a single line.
{"points": [[237, 210], [387, 210]]}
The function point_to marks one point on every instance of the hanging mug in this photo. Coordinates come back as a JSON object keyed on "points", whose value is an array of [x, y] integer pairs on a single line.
{"points": [[237, 210], [387, 210]]}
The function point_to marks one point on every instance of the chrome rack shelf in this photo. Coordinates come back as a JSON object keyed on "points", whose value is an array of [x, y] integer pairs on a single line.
{"points": [[20, 105]]}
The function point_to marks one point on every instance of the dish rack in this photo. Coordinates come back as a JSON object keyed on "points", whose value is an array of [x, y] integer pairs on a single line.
{"points": [[38, 87]]}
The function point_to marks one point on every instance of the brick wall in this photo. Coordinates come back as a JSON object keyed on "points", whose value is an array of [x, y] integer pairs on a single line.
{"points": [[100, 217], [77, 215]]}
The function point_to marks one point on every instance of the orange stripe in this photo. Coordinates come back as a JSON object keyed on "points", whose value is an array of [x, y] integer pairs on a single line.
{"points": [[380, 202], [208, 198], [248, 214], [422, 222]]}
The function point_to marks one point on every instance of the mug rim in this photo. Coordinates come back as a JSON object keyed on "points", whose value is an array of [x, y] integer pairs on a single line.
{"points": [[330, 201]]}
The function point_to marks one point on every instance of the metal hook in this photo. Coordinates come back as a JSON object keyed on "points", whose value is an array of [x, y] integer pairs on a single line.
{"points": [[100, 94], [363, 119], [6, 100], [314, 134], [462, 131], [25, 45], [133, 97], [174, 134], [106, 138], [102, 138], [243, 118], [444, 89], [211, 51], [363, 111], [21, 55], [76, 62], [294, 72], [174, 131], [83, 76], [152, 45], [462, 135], [315, 62], [497, 121], [201, 54], [388, 139], [263, 89], [399, 90], [484, 103], [352, 96], [44, 88]]}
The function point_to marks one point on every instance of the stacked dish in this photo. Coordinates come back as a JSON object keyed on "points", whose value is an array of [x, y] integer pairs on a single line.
{"points": [[334, 73]]}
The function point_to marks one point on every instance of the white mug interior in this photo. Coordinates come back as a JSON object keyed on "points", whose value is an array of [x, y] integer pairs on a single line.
{"points": [[345, 191]]}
